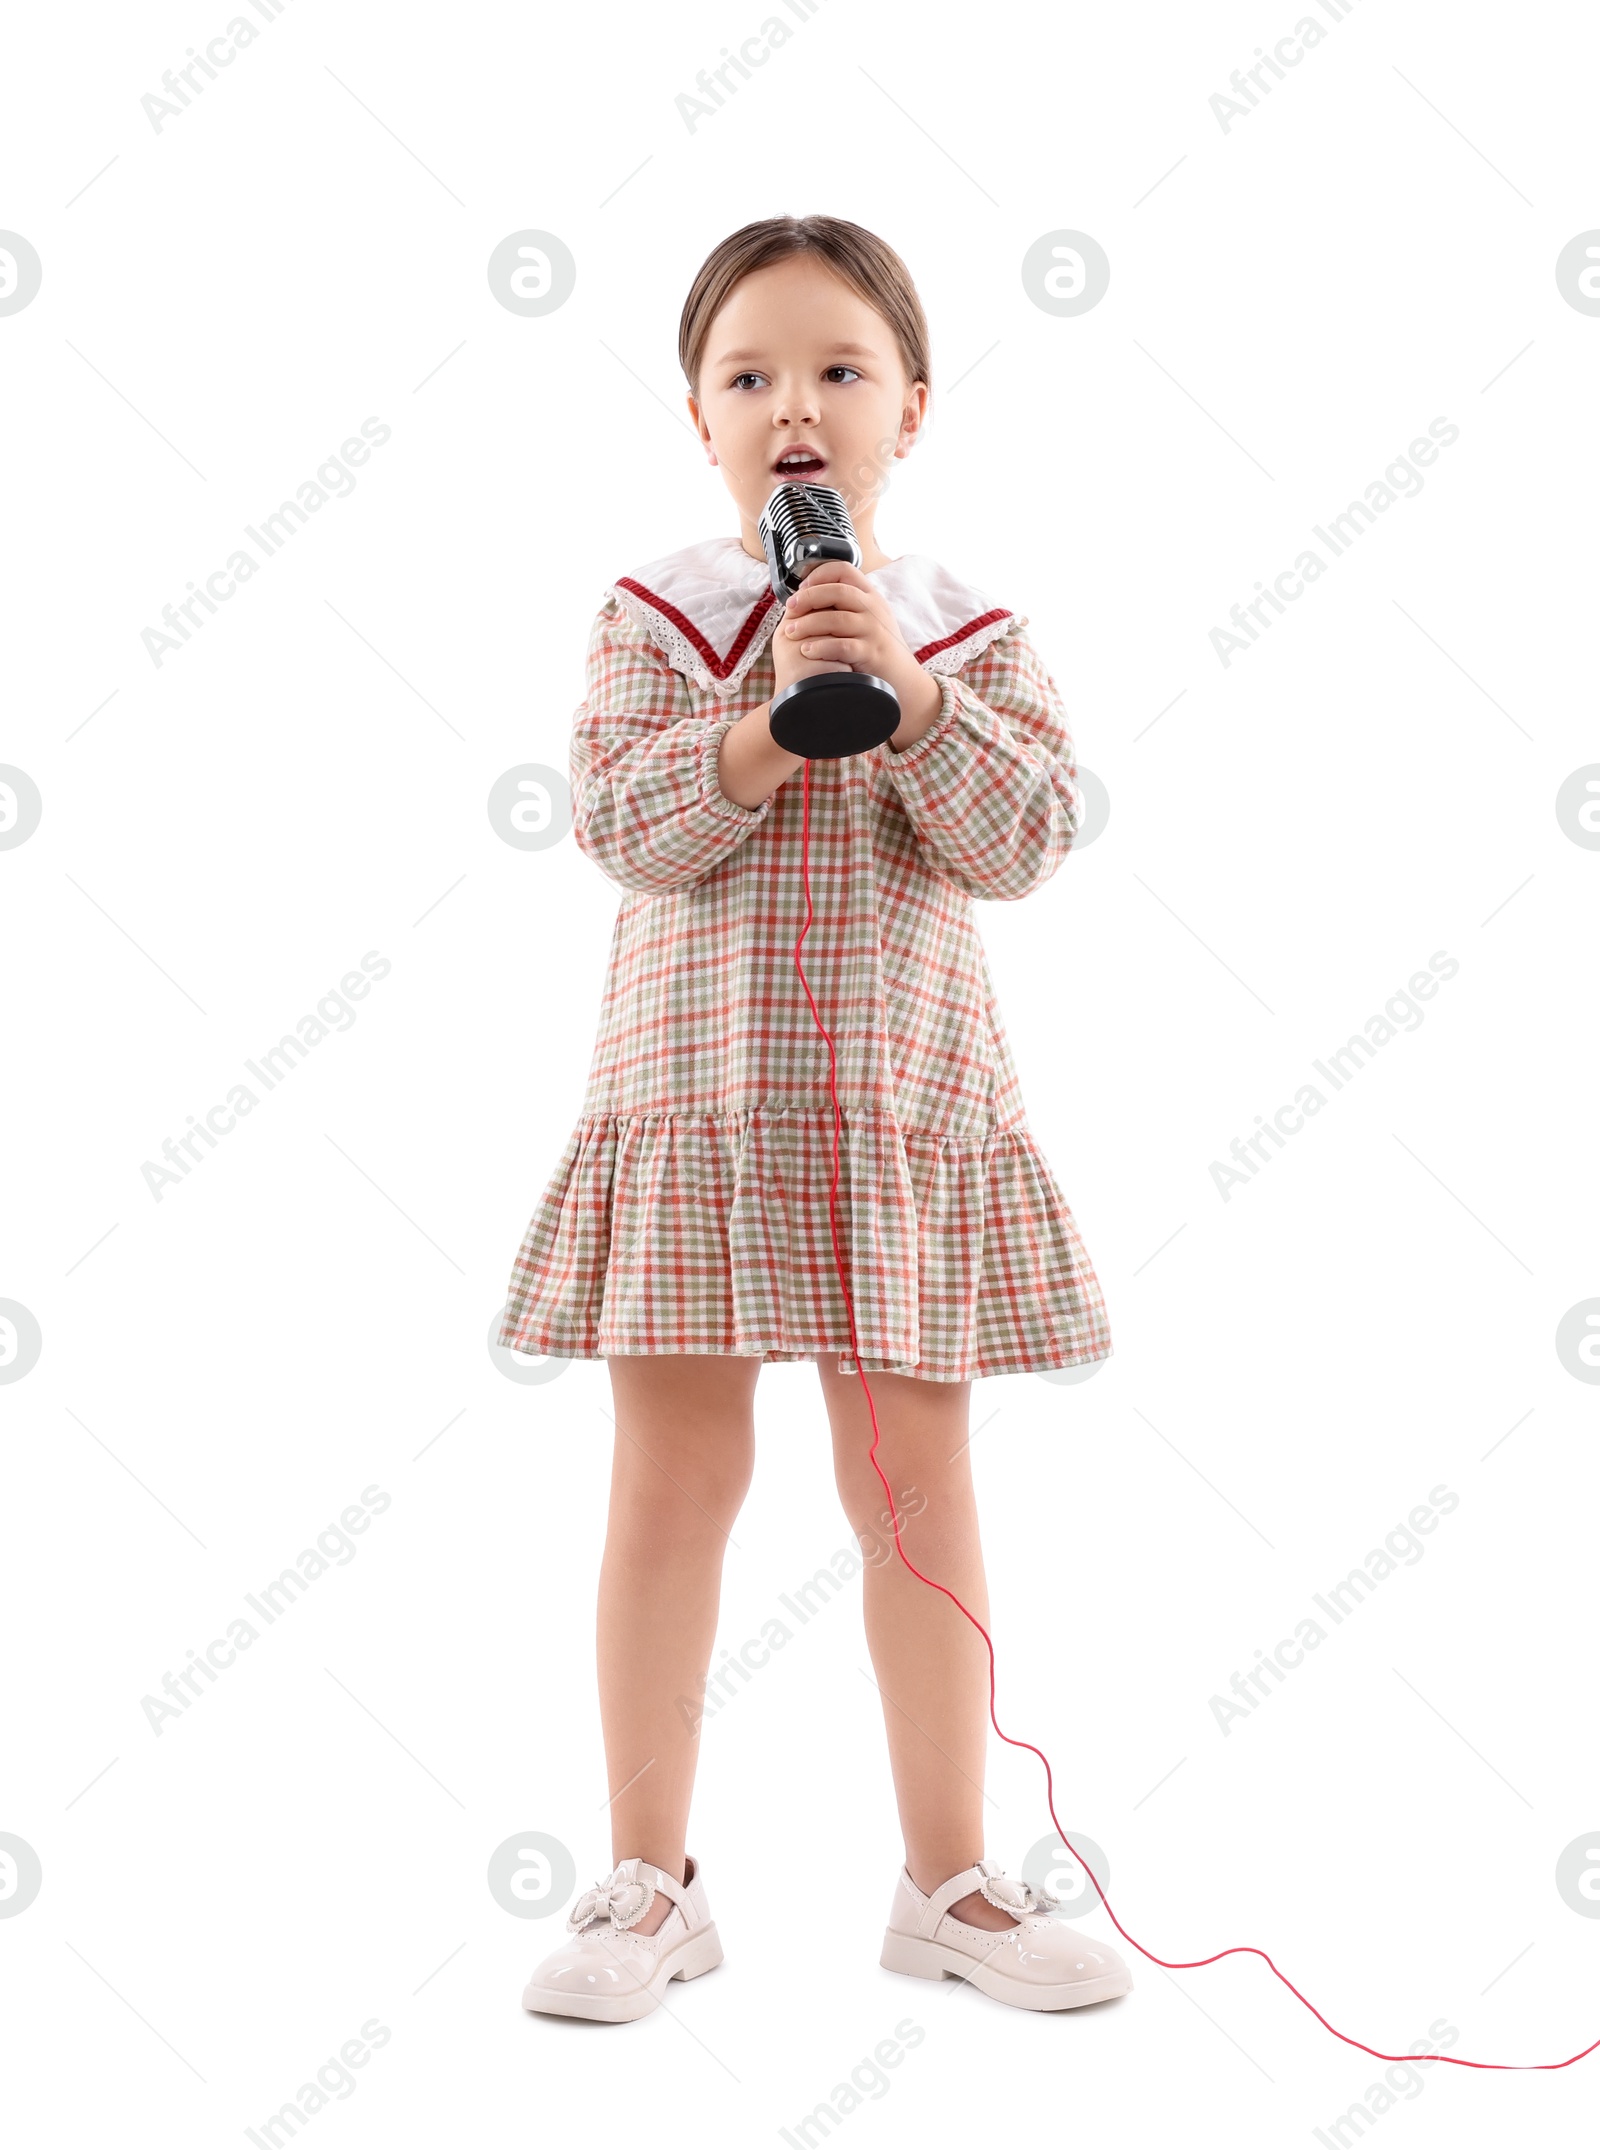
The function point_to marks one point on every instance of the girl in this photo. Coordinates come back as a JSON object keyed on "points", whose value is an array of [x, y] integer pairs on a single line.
{"points": [[685, 1235]]}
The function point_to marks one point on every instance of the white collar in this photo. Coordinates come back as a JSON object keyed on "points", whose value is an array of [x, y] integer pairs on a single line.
{"points": [[710, 610]]}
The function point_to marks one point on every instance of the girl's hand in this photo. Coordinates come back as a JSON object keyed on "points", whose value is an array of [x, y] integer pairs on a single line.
{"points": [[750, 762], [836, 613], [788, 665]]}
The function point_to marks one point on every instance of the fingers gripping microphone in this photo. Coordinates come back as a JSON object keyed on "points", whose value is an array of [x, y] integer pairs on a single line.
{"points": [[830, 714]]}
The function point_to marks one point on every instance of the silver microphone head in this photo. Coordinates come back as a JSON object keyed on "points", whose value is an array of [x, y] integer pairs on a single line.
{"points": [[801, 526]]}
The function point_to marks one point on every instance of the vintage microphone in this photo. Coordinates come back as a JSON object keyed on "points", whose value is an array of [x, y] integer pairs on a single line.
{"points": [[831, 714]]}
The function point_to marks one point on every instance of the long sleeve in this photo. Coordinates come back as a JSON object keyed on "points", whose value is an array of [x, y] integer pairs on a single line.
{"points": [[990, 789], [646, 804]]}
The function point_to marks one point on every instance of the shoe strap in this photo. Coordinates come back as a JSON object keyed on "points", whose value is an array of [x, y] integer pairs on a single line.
{"points": [[948, 1893], [602, 1900], [658, 1878]]}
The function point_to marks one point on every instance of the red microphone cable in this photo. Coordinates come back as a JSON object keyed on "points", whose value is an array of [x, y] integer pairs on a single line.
{"points": [[833, 1218]]}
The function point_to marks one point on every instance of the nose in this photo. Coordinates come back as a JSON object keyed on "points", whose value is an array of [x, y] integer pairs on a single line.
{"points": [[797, 405]]}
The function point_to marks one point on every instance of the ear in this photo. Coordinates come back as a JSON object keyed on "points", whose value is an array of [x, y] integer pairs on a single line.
{"points": [[699, 424], [912, 419]]}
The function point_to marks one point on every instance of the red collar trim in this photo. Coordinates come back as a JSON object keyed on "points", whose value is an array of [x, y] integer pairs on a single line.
{"points": [[984, 619], [719, 667]]}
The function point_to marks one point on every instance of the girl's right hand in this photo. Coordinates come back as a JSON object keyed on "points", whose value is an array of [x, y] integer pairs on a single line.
{"points": [[787, 663], [750, 763]]}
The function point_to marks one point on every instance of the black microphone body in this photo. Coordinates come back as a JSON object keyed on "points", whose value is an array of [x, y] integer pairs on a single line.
{"points": [[828, 715]]}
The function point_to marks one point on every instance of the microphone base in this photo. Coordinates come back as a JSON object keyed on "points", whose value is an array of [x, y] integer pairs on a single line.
{"points": [[832, 715]]}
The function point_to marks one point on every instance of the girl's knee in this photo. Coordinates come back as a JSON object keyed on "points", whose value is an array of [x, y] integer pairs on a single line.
{"points": [[684, 1483], [867, 1505], [922, 1451], [685, 1445]]}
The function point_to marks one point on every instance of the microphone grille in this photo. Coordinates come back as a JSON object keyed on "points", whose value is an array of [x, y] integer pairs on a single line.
{"points": [[800, 526]]}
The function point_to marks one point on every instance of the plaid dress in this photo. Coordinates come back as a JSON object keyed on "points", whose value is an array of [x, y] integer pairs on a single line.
{"points": [[689, 1210]]}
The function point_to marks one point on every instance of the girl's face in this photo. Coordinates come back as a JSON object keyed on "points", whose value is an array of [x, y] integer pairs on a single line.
{"points": [[796, 360]]}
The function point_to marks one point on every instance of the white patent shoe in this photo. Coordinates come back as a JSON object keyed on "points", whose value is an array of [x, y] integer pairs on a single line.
{"points": [[606, 1972], [1040, 1962]]}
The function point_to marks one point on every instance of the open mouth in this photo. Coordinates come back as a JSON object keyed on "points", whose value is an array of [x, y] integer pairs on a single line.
{"points": [[799, 463]]}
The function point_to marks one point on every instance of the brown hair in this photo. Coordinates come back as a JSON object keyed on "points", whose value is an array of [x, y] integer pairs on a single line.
{"points": [[858, 257]]}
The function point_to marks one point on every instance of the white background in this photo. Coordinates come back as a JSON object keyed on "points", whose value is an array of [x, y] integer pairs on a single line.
{"points": [[1290, 838]]}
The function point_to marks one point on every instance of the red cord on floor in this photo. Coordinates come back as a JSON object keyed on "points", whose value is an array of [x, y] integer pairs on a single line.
{"points": [[844, 1283]]}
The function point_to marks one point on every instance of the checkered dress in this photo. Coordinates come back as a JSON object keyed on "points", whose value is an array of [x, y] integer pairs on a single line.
{"points": [[689, 1209]]}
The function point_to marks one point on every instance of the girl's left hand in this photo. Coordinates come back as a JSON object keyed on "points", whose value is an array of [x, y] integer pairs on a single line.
{"points": [[837, 613]]}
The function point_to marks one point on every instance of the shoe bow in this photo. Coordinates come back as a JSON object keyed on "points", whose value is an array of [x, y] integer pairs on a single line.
{"points": [[1020, 1898], [623, 1902]]}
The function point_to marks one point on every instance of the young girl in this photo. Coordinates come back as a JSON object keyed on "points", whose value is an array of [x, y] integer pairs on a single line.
{"points": [[685, 1236]]}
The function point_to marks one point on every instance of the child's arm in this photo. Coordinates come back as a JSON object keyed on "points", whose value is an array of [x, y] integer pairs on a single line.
{"points": [[990, 789], [646, 803]]}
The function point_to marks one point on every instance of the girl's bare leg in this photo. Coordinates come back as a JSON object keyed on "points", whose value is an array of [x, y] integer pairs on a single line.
{"points": [[932, 1668], [681, 1466]]}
